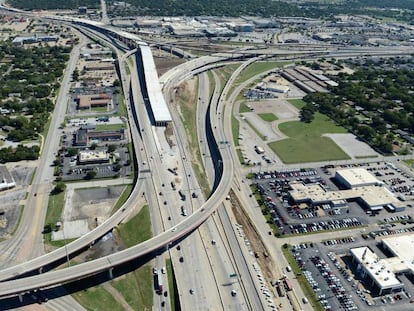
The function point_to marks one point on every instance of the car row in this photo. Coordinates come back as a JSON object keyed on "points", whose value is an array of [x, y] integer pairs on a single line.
{"points": [[339, 241], [325, 225], [334, 283]]}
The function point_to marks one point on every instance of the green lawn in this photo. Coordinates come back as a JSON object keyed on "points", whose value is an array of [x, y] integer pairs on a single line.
{"points": [[54, 208], [99, 109], [243, 108], [305, 143], [137, 288], [122, 110], [97, 298], [298, 103], [235, 129], [268, 117], [173, 291], [137, 229], [109, 127], [256, 68], [123, 197]]}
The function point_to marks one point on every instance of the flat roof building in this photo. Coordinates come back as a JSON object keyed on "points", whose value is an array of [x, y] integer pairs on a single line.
{"points": [[156, 99], [84, 136], [95, 100], [356, 177], [372, 197], [379, 271], [93, 157]]}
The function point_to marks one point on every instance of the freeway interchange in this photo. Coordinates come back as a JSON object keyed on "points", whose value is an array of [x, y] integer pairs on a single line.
{"points": [[14, 278]]}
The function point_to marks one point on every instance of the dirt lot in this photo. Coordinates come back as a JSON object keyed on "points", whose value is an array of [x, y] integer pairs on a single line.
{"points": [[266, 264]]}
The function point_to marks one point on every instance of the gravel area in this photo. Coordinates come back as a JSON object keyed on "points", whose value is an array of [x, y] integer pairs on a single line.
{"points": [[350, 144]]}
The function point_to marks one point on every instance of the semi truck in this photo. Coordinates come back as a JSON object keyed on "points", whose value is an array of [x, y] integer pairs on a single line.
{"points": [[280, 291], [288, 284], [183, 211], [159, 284], [182, 195], [259, 149]]}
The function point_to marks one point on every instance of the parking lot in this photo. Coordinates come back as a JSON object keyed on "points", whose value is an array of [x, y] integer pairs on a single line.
{"points": [[291, 218], [331, 274]]}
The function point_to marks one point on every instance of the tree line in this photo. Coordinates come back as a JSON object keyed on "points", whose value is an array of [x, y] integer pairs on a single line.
{"points": [[369, 103]]}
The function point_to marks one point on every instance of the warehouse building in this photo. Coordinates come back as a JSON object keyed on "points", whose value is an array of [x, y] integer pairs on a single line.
{"points": [[360, 186], [370, 197], [356, 177], [159, 108]]}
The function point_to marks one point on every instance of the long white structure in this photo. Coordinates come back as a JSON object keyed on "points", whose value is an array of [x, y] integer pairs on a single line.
{"points": [[156, 99]]}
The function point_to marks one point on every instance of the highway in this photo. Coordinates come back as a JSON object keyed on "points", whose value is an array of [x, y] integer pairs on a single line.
{"points": [[106, 263]]}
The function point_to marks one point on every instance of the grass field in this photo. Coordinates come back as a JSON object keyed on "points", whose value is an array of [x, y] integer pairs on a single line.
{"points": [[256, 68], [298, 103], [137, 229], [54, 212], [186, 100], [122, 198], [137, 288], [305, 143], [109, 127], [173, 291], [97, 298], [243, 108], [268, 117]]}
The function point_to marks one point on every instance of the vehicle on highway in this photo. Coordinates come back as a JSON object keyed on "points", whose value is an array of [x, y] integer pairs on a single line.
{"points": [[182, 195], [183, 211]]}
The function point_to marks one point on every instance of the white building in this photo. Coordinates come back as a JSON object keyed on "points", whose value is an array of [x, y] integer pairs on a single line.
{"points": [[356, 177]]}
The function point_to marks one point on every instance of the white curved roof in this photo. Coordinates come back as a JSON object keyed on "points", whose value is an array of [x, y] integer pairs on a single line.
{"points": [[158, 105]]}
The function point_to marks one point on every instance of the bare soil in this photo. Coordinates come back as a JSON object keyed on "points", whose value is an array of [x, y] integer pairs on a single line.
{"points": [[265, 261]]}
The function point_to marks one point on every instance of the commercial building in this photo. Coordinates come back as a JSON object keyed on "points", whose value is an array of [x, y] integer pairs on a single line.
{"points": [[33, 39], [84, 137], [384, 272], [102, 65], [356, 177], [93, 157], [95, 100], [379, 271], [371, 197], [361, 186]]}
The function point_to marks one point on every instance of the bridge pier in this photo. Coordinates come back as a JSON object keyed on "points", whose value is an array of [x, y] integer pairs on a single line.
{"points": [[20, 297], [111, 274], [40, 270]]}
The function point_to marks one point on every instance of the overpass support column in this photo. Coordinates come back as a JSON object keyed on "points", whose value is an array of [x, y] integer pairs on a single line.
{"points": [[40, 270], [20, 297], [111, 274]]}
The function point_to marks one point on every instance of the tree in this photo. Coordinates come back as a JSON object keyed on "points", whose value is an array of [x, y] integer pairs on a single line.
{"points": [[60, 187], [90, 175], [72, 152], [75, 75], [111, 148]]}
